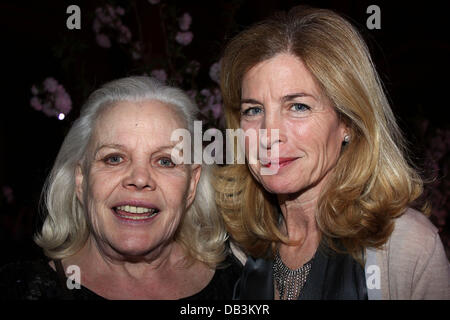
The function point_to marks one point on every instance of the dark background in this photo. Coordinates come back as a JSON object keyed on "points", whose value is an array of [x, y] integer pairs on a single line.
{"points": [[411, 52]]}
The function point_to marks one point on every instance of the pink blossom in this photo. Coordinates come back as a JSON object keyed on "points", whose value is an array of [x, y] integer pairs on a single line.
{"points": [[103, 40], [48, 110], [102, 16], [214, 72], [205, 92], [185, 21], [8, 194], [50, 84], [96, 25], [53, 101], [125, 34], [136, 51], [34, 90], [216, 110], [192, 93], [212, 102], [111, 11], [159, 74], [36, 103], [63, 103], [184, 38], [193, 67], [120, 11]]}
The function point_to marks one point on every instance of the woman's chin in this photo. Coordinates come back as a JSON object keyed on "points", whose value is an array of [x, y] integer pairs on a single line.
{"points": [[279, 186], [133, 247]]}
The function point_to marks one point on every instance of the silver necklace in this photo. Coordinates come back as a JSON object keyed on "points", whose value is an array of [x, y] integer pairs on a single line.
{"points": [[289, 282]]}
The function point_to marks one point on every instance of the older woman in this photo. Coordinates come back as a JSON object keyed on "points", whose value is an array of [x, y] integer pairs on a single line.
{"points": [[333, 219], [125, 219]]}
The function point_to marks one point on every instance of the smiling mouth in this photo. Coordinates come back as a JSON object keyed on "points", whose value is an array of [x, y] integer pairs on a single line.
{"points": [[281, 162], [135, 213]]}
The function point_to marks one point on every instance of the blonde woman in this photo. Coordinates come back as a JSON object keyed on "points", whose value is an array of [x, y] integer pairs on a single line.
{"points": [[124, 219], [334, 221]]}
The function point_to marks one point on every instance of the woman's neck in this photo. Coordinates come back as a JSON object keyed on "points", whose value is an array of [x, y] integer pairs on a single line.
{"points": [[299, 225], [155, 277], [96, 256]]}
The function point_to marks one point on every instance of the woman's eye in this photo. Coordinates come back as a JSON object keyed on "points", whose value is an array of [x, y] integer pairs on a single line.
{"points": [[252, 111], [300, 107], [114, 159], [166, 162]]}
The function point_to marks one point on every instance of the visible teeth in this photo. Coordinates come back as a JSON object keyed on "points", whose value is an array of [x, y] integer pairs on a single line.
{"points": [[133, 209], [138, 217]]}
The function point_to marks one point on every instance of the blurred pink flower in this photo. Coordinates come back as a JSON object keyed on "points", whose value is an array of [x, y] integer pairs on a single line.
{"points": [[102, 16], [48, 110], [214, 72], [212, 102], [120, 11], [50, 84], [103, 40], [53, 101], [193, 67], [192, 93], [111, 11], [184, 38], [96, 25], [159, 74], [8, 194], [63, 103], [136, 51], [34, 90], [184, 22], [216, 110], [124, 34], [205, 92], [36, 103], [154, 1], [108, 25]]}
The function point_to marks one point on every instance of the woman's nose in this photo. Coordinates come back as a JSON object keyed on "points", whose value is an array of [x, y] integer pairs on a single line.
{"points": [[140, 177], [270, 133]]}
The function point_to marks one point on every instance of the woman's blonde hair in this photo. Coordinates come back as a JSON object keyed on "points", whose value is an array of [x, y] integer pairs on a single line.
{"points": [[372, 183], [65, 228]]}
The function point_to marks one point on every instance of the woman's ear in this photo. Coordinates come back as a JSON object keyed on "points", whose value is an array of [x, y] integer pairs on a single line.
{"points": [[345, 133], [195, 178], [79, 182]]}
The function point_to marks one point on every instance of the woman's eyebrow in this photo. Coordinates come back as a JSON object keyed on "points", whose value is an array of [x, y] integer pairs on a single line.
{"points": [[122, 147], [285, 98], [293, 96], [108, 146], [251, 101]]}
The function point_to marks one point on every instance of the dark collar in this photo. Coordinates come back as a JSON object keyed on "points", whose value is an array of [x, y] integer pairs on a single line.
{"points": [[333, 276]]}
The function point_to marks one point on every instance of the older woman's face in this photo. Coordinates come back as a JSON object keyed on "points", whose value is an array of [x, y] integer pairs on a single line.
{"points": [[280, 93], [134, 194]]}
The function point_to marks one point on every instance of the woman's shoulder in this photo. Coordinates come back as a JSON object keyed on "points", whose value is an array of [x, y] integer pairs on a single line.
{"points": [[31, 279], [413, 235], [413, 262], [415, 223], [24, 269]]}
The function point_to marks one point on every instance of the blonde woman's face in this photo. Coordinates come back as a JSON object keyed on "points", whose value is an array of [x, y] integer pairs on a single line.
{"points": [[135, 196], [280, 93]]}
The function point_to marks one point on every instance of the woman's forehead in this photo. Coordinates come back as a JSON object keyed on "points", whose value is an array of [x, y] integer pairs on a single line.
{"points": [[130, 120], [284, 73]]}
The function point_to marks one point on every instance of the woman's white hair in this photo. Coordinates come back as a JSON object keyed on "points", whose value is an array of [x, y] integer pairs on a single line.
{"points": [[65, 229]]}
